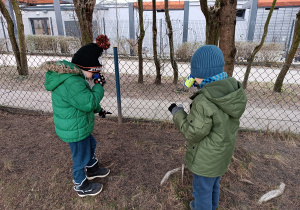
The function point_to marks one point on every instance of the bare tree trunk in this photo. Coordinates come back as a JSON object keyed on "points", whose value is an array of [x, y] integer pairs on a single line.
{"points": [[295, 44], [227, 29], [12, 37], [212, 17], [84, 10], [156, 60], [171, 44], [258, 47], [140, 41], [21, 35]]}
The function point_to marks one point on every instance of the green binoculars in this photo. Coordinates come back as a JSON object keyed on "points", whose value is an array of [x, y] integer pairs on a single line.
{"points": [[189, 81]]}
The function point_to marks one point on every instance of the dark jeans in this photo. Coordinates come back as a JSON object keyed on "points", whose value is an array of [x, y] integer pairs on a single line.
{"points": [[206, 192], [83, 154]]}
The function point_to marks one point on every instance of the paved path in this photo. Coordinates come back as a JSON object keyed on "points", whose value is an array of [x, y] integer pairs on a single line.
{"points": [[258, 73], [253, 118]]}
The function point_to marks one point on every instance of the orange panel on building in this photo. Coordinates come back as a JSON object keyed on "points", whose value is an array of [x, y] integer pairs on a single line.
{"points": [[279, 3], [161, 5]]}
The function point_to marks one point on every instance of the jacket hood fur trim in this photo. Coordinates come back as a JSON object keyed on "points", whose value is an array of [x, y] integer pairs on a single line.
{"points": [[61, 67]]}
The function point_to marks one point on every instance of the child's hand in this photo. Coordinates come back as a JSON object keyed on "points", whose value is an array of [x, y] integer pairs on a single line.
{"points": [[103, 113], [99, 79], [174, 108], [171, 107]]}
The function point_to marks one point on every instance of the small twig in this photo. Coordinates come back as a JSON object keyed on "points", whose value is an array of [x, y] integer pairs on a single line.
{"points": [[246, 181], [182, 172], [169, 173], [272, 194]]}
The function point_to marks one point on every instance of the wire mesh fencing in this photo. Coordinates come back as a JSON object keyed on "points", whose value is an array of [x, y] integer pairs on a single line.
{"points": [[265, 109]]}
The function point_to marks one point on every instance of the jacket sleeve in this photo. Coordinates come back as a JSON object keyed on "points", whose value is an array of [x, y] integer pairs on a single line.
{"points": [[195, 125], [82, 97]]}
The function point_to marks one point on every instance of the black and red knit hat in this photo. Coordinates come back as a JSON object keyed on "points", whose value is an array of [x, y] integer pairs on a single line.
{"points": [[89, 57]]}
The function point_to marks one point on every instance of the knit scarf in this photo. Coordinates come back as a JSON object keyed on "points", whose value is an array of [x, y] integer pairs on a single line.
{"points": [[217, 77]]}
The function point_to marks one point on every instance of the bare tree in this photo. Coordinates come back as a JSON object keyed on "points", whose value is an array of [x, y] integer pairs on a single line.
{"points": [[212, 18], [171, 43], [295, 44], [140, 41], [227, 31], [22, 70], [258, 47], [21, 35], [220, 28], [84, 10], [156, 60]]}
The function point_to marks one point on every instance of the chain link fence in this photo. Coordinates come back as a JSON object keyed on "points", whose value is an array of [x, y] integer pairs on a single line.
{"points": [[265, 109]]}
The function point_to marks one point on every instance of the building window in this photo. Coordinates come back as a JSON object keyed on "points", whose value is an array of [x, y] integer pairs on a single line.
{"points": [[40, 26], [72, 28], [240, 14], [275, 8]]}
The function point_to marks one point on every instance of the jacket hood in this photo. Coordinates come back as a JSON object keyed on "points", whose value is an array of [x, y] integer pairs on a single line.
{"points": [[58, 72], [227, 94]]}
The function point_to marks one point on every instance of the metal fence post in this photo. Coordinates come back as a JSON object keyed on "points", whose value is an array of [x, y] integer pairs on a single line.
{"points": [[117, 76], [58, 17], [131, 25], [186, 21], [290, 38], [252, 20]]}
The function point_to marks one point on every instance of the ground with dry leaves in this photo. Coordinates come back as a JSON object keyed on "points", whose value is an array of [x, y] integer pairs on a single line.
{"points": [[35, 167]]}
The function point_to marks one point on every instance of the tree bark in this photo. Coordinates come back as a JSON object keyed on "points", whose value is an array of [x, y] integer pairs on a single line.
{"points": [[212, 18], [227, 29], [84, 10], [171, 44], [21, 35], [140, 41], [12, 37], [258, 47], [156, 60], [295, 44]]}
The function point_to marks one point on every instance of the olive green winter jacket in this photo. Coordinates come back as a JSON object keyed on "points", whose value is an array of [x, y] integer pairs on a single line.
{"points": [[211, 126], [73, 101]]}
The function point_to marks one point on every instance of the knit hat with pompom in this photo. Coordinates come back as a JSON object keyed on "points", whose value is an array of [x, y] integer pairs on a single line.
{"points": [[89, 57]]}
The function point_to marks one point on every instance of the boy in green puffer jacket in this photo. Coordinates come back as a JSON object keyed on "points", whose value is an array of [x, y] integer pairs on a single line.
{"points": [[74, 104], [211, 126]]}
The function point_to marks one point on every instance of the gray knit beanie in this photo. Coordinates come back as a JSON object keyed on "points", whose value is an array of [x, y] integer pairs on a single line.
{"points": [[207, 61]]}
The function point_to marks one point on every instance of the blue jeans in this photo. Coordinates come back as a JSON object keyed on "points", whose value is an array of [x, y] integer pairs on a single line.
{"points": [[83, 155], [206, 192]]}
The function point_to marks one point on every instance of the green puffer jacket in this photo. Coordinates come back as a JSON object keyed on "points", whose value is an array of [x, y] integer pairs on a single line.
{"points": [[211, 126], [74, 102]]}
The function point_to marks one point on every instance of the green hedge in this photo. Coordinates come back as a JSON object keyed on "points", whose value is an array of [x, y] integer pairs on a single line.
{"points": [[52, 44]]}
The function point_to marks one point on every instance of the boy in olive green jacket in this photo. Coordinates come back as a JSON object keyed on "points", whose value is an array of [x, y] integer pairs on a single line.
{"points": [[211, 126]]}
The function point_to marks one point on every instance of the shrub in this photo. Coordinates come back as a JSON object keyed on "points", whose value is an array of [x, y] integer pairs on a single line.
{"points": [[186, 50], [269, 53], [126, 45], [4, 45], [244, 50], [52, 44]]}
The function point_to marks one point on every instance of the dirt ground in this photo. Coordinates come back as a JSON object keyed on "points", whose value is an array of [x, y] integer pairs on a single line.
{"points": [[35, 167]]}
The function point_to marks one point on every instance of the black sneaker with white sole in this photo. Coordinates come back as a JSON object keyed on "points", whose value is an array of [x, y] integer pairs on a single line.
{"points": [[87, 188], [95, 171]]}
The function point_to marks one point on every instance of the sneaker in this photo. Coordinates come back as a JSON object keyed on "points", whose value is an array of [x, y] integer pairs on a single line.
{"points": [[88, 189], [99, 173], [94, 171]]}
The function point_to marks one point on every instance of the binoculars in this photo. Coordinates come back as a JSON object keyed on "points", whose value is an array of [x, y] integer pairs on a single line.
{"points": [[189, 81]]}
